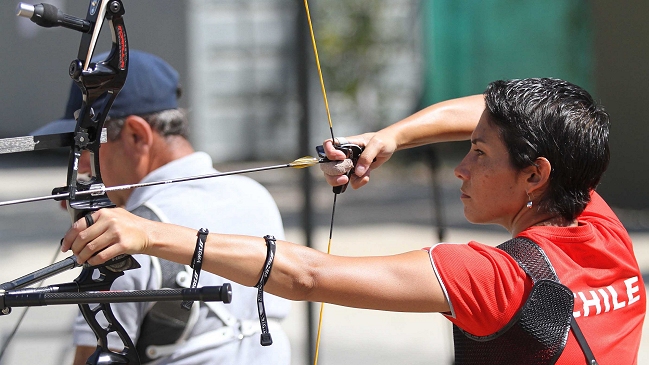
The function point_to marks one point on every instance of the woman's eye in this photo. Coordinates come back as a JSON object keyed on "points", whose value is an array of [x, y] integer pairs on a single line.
{"points": [[479, 152]]}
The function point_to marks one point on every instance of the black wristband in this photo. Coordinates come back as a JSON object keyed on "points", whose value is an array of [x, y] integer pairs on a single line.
{"points": [[265, 339], [197, 263]]}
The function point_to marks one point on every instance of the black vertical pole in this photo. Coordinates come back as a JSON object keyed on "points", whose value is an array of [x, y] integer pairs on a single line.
{"points": [[302, 62], [430, 154]]}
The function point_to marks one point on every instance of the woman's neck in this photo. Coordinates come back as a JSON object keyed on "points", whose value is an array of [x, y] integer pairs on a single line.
{"points": [[542, 220]]}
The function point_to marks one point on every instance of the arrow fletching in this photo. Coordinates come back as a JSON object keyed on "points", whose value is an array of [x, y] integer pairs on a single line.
{"points": [[302, 162]]}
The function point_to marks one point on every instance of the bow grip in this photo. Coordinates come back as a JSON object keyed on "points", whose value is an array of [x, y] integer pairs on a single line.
{"points": [[352, 151]]}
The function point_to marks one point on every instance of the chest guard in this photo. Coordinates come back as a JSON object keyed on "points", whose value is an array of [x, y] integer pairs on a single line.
{"points": [[167, 328], [166, 322], [538, 332]]}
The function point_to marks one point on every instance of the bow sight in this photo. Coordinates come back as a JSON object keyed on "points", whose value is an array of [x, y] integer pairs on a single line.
{"points": [[95, 80]]}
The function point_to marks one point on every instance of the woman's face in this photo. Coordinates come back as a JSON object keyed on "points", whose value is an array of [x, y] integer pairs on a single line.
{"points": [[493, 191]]}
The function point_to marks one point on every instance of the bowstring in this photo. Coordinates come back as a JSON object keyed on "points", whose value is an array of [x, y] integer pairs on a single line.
{"points": [[333, 139], [317, 63]]}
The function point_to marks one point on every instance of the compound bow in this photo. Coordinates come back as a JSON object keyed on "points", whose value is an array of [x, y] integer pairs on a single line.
{"points": [[95, 79]]}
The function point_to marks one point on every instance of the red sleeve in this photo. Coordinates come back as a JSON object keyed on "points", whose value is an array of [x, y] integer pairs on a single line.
{"points": [[483, 284]]}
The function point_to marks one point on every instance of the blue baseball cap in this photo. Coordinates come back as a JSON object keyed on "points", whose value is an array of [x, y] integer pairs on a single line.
{"points": [[151, 86]]}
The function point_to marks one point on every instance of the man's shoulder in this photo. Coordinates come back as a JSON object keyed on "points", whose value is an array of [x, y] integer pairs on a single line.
{"points": [[200, 163], [246, 183], [240, 187]]}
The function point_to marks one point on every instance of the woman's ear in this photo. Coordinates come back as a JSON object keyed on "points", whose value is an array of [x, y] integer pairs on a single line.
{"points": [[538, 176]]}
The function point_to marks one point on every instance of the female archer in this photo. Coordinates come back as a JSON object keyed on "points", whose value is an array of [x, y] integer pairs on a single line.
{"points": [[565, 290]]}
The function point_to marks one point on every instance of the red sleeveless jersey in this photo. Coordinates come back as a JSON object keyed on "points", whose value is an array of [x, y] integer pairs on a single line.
{"points": [[485, 287]]}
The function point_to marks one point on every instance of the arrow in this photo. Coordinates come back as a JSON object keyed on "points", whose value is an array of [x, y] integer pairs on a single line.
{"points": [[300, 163]]}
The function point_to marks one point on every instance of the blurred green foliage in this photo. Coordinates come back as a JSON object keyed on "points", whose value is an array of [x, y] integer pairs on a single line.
{"points": [[347, 37]]}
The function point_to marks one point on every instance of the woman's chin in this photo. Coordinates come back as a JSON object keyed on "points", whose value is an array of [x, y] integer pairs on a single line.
{"points": [[473, 218]]}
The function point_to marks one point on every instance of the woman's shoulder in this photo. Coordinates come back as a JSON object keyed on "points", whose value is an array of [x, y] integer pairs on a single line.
{"points": [[484, 285]]}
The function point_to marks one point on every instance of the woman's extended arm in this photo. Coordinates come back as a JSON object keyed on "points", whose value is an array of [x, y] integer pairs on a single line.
{"points": [[404, 282], [451, 120]]}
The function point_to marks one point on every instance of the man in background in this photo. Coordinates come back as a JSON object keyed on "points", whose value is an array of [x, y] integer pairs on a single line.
{"points": [[148, 141]]}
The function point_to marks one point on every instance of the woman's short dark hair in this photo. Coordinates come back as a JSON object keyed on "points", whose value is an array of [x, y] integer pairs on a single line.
{"points": [[551, 118]]}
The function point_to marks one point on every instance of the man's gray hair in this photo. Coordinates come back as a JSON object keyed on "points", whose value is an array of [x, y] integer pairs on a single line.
{"points": [[171, 122]]}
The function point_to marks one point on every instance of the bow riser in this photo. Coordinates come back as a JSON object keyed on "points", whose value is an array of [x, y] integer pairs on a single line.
{"points": [[96, 80]]}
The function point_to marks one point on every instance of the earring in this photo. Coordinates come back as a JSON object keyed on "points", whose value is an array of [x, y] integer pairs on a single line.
{"points": [[529, 203]]}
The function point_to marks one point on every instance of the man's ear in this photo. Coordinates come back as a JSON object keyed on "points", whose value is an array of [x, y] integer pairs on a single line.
{"points": [[538, 176], [137, 132]]}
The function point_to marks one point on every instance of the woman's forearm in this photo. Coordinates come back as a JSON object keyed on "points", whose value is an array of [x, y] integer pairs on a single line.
{"points": [[301, 273], [298, 272], [239, 258], [451, 120]]}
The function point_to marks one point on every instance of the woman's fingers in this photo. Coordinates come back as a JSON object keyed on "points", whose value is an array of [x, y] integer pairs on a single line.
{"points": [[332, 175], [85, 248], [336, 180], [331, 152], [104, 254], [377, 151], [357, 182], [337, 155], [114, 232], [72, 235]]}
